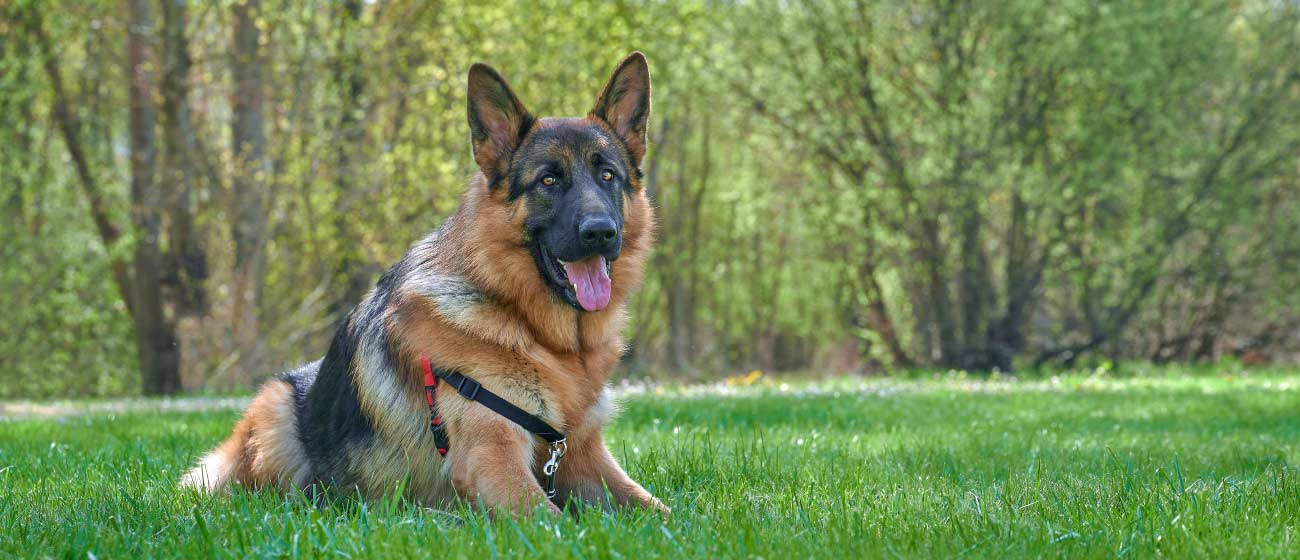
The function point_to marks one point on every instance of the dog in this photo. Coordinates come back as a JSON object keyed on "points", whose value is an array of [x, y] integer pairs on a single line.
{"points": [[522, 291]]}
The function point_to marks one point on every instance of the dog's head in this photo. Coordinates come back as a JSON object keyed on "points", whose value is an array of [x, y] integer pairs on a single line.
{"points": [[567, 181]]}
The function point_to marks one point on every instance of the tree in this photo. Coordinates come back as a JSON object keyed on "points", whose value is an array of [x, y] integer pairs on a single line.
{"points": [[352, 269], [249, 175], [842, 185], [961, 122], [155, 332], [180, 168]]}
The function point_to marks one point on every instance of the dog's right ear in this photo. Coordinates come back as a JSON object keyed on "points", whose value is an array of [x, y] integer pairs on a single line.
{"points": [[497, 121]]}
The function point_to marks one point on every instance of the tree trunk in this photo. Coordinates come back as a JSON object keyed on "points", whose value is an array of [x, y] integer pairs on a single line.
{"points": [[937, 289], [674, 259], [877, 317], [352, 267], [646, 306], [693, 241], [973, 285], [1005, 337], [155, 334], [188, 263], [248, 179]]}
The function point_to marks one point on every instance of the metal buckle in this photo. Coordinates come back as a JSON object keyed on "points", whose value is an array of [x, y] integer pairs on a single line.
{"points": [[558, 449], [552, 466]]}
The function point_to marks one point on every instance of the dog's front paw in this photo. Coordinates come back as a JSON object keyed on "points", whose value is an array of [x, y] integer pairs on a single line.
{"points": [[653, 503]]}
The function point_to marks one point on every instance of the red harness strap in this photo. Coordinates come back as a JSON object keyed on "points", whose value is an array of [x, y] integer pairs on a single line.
{"points": [[435, 419]]}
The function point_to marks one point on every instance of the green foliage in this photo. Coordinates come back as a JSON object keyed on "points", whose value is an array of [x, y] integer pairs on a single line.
{"points": [[70, 336], [1053, 165], [1082, 466], [65, 329], [841, 185]]}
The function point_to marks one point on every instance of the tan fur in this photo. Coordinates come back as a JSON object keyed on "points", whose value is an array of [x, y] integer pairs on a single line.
{"points": [[532, 346], [263, 451], [509, 333]]}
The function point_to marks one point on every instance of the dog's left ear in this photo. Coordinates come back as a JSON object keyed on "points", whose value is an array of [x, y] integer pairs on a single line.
{"points": [[625, 104]]}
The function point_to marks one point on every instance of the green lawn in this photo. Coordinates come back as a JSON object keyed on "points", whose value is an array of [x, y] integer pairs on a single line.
{"points": [[927, 467]]}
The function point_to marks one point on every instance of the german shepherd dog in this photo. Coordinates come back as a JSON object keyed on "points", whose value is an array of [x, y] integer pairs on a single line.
{"points": [[523, 289]]}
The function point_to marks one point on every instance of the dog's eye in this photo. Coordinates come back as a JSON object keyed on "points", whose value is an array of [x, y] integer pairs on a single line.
{"points": [[607, 175], [548, 180]]}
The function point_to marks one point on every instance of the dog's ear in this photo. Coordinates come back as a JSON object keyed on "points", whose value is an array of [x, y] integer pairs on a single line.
{"points": [[625, 103], [497, 121]]}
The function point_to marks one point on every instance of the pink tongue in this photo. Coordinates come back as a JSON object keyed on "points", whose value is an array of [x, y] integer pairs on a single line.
{"points": [[591, 280]]}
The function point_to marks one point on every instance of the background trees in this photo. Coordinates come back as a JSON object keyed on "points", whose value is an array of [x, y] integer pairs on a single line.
{"points": [[842, 185]]}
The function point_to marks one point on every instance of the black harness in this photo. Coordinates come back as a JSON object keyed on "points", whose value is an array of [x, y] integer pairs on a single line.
{"points": [[474, 391]]}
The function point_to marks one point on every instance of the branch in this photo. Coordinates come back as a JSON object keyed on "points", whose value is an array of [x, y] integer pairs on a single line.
{"points": [[68, 125]]}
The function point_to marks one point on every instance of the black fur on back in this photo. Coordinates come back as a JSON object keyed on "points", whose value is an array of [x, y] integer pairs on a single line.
{"points": [[330, 419]]}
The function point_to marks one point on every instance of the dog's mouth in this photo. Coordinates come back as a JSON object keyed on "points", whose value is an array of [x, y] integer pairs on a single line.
{"points": [[584, 284]]}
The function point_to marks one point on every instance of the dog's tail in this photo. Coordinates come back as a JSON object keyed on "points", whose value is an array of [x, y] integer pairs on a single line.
{"points": [[216, 470], [264, 448]]}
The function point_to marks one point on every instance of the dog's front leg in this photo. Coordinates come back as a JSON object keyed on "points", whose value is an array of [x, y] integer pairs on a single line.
{"points": [[491, 463], [589, 470]]}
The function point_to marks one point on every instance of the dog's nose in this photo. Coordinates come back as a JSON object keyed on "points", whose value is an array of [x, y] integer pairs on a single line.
{"points": [[597, 233]]}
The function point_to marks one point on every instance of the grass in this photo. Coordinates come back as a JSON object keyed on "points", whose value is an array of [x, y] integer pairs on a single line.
{"points": [[945, 466]]}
